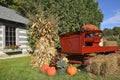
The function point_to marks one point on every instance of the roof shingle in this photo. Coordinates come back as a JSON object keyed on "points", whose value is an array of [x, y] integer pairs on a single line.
{"points": [[11, 15]]}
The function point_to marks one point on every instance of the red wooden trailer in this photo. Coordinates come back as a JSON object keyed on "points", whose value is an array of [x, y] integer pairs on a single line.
{"points": [[84, 42]]}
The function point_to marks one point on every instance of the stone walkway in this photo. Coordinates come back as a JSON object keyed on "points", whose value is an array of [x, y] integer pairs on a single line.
{"points": [[5, 56]]}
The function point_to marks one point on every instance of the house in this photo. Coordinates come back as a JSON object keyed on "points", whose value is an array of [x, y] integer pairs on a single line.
{"points": [[12, 29]]}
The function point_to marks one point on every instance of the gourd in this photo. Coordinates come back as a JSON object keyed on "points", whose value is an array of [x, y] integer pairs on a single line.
{"points": [[51, 71], [44, 68], [71, 70]]}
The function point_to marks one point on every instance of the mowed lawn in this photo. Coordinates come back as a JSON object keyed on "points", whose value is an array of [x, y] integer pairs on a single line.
{"points": [[20, 69]]}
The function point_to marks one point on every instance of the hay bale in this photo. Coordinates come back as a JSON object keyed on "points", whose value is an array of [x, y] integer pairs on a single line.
{"points": [[94, 68], [95, 64], [103, 65], [110, 43], [118, 61], [110, 66]]}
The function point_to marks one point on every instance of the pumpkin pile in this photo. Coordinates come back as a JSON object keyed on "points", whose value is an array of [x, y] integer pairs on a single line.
{"points": [[45, 68], [51, 71]]}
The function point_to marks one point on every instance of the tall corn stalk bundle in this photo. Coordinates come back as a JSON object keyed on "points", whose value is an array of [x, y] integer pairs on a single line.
{"points": [[43, 31]]}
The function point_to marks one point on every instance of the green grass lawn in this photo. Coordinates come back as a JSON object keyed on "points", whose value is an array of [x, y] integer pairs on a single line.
{"points": [[20, 69]]}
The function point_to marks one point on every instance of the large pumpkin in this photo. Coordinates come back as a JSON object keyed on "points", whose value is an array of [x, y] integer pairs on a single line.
{"points": [[44, 67], [71, 70], [90, 27], [51, 71]]}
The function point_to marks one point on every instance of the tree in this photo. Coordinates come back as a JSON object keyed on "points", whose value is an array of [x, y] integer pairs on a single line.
{"points": [[14, 4], [107, 32], [73, 14], [116, 30], [24, 7]]}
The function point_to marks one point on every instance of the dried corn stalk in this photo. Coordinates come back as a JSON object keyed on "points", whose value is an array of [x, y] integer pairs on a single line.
{"points": [[44, 31]]}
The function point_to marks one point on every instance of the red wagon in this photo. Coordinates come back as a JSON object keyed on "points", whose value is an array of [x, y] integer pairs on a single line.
{"points": [[84, 42]]}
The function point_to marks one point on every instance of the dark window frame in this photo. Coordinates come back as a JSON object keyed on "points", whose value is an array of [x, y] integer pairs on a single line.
{"points": [[10, 36]]}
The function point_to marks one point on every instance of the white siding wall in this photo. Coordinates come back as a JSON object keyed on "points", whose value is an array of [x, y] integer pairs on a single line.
{"points": [[21, 39], [2, 38]]}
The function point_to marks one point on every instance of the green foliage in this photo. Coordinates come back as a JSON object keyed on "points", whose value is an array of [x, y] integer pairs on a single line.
{"points": [[13, 4], [116, 31], [24, 7], [30, 7], [73, 13], [4, 2], [107, 32]]}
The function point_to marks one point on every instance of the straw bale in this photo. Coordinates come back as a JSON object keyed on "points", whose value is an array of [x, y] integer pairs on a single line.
{"points": [[118, 61], [104, 65], [110, 43], [110, 65]]}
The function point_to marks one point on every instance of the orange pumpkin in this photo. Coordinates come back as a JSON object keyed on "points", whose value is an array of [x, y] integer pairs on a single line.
{"points": [[44, 67], [71, 70], [51, 71]]}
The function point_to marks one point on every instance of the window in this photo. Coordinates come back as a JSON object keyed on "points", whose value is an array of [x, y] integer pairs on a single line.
{"points": [[10, 37]]}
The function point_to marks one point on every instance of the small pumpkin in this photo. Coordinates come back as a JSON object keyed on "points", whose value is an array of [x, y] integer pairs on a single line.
{"points": [[71, 70], [44, 68], [51, 71]]}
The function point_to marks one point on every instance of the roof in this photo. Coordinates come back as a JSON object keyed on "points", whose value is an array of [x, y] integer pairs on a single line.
{"points": [[12, 15]]}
